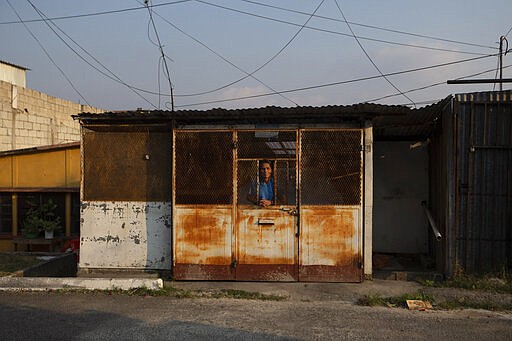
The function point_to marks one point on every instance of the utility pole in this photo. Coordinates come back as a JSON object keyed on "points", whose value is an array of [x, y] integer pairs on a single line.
{"points": [[502, 38], [502, 52]]}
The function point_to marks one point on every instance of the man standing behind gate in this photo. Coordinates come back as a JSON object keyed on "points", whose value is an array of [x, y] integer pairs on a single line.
{"points": [[263, 194]]}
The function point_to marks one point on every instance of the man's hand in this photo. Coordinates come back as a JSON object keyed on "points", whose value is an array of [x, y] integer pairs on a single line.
{"points": [[265, 203]]}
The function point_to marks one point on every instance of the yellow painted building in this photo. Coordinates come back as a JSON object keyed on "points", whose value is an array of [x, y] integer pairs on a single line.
{"points": [[34, 176]]}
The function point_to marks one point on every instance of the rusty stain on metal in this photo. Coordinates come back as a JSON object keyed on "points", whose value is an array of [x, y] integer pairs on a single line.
{"points": [[329, 244], [219, 239], [203, 236]]}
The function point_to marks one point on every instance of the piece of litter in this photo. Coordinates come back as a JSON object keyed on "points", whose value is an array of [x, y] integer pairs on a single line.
{"points": [[418, 305]]}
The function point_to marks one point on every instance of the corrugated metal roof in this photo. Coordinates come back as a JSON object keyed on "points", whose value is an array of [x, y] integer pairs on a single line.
{"points": [[40, 149], [485, 97], [391, 121]]}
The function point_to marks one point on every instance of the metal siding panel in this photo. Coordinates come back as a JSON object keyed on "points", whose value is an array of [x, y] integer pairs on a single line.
{"points": [[266, 245], [202, 235], [484, 210], [330, 245]]}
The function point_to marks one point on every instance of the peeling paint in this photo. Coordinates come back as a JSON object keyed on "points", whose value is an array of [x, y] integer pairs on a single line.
{"points": [[126, 235]]}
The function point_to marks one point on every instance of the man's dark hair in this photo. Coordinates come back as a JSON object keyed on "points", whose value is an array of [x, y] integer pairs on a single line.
{"points": [[266, 161]]}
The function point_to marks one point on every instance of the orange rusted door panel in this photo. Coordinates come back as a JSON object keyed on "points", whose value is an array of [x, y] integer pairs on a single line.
{"points": [[266, 244], [330, 205], [330, 244], [202, 238]]}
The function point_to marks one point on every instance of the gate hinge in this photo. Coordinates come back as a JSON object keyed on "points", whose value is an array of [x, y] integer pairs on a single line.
{"points": [[234, 264]]}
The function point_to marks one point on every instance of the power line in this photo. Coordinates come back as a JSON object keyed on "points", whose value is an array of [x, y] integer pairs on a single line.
{"points": [[265, 5], [336, 32], [372, 26], [340, 82], [48, 54], [368, 56], [508, 32], [268, 61], [303, 26], [146, 2], [430, 86], [93, 14], [224, 59], [114, 77]]}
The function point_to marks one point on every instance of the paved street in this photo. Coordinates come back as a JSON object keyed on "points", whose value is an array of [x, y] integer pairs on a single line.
{"points": [[68, 316]]}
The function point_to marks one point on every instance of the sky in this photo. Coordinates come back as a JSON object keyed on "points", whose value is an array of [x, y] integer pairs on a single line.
{"points": [[245, 54]]}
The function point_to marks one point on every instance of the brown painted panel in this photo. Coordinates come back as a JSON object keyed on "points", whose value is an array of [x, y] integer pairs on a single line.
{"points": [[203, 272], [202, 241], [325, 273], [266, 244], [133, 164], [270, 273], [330, 244]]}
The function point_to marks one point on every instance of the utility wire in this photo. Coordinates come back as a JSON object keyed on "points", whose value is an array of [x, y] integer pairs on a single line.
{"points": [[341, 82], [48, 54], [284, 22], [368, 56], [260, 4], [431, 86], [508, 32], [93, 14], [371, 26], [111, 74], [336, 32], [267, 62], [168, 75], [224, 59]]}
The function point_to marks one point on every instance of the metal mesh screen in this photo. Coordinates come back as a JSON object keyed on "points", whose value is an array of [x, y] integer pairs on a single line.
{"points": [[278, 147], [284, 181], [204, 167], [130, 165], [331, 167]]}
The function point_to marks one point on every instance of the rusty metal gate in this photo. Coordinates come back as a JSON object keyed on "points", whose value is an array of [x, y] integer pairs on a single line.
{"points": [[311, 231]]}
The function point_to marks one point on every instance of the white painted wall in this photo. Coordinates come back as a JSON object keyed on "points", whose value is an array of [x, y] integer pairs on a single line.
{"points": [[13, 75], [131, 235], [400, 184]]}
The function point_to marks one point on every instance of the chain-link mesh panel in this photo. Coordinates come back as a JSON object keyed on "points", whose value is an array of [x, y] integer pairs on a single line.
{"points": [[247, 182], [204, 167], [131, 165], [331, 167], [283, 176], [267, 144], [286, 182]]}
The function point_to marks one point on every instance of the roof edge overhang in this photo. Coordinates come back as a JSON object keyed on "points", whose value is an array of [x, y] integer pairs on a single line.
{"points": [[266, 115]]}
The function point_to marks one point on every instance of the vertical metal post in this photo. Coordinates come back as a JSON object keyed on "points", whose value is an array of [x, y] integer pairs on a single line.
{"points": [[502, 38]]}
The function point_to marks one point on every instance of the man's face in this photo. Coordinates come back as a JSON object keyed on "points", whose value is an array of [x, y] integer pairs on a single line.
{"points": [[265, 171]]}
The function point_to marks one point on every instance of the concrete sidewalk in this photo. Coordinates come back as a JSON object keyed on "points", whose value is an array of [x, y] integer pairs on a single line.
{"points": [[304, 291], [297, 291], [53, 283]]}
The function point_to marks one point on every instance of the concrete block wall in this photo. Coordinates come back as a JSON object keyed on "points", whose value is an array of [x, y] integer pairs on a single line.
{"points": [[30, 118]]}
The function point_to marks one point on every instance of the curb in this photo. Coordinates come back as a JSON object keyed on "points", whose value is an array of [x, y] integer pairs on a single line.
{"points": [[51, 283]]}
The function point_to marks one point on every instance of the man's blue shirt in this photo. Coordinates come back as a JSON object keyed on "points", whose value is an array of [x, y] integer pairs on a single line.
{"points": [[267, 190]]}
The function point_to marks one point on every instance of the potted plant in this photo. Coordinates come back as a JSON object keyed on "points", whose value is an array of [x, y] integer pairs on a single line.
{"points": [[41, 218]]}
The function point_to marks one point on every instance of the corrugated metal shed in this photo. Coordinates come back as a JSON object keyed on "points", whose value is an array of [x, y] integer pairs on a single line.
{"points": [[483, 181], [389, 121]]}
